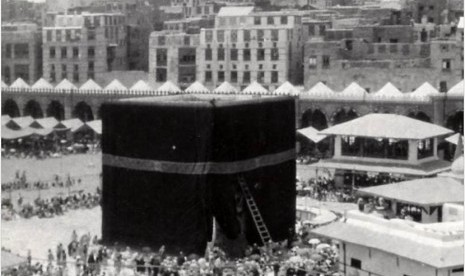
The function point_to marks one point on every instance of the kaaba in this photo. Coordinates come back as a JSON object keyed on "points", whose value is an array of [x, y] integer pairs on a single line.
{"points": [[171, 167]]}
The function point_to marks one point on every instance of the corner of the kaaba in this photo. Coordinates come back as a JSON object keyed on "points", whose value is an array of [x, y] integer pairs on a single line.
{"points": [[170, 166]]}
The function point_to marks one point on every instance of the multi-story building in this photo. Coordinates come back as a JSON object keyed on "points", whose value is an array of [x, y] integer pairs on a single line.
{"points": [[79, 47], [173, 57], [245, 46], [22, 10], [194, 8], [372, 55], [21, 52]]}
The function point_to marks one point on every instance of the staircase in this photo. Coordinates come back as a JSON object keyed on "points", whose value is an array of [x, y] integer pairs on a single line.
{"points": [[257, 217]]}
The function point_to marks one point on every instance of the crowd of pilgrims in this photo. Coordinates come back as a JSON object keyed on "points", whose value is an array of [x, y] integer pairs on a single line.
{"points": [[47, 208], [85, 256], [21, 183], [47, 148], [323, 188]]}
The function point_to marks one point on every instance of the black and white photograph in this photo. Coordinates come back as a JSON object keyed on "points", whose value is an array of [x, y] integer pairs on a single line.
{"points": [[232, 138]]}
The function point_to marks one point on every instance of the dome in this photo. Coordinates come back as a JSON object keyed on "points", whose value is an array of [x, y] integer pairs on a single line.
{"points": [[457, 167]]}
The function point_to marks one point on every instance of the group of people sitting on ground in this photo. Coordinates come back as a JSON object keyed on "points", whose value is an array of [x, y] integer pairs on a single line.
{"points": [[85, 256], [55, 149], [47, 208], [323, 188], [21, 183]]}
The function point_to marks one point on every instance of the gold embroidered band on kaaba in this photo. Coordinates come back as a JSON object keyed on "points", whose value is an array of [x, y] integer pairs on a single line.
{"points": [[198, 167]]}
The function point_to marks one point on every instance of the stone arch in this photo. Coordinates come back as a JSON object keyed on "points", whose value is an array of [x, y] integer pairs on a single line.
{"points": [[455, 121], [83, 111], [314, 118], [56, 109], [33, 109], [10, 107], [343, 115]]}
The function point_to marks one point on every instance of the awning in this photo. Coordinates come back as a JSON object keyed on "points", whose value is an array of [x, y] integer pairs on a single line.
{"points": [[312, 134], [454, 138], [423, 191], [9, 134], [424, 169], [388, 126]]}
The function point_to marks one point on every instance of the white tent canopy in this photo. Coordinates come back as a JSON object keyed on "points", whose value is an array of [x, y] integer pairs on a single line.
{"points": [[5, 119], [4, 85], [226, 88], [141, 85], [90, 85], [320, 90], [286, 89], [255, 88], [454, 139], [42, 84], [456, 90], [96, 126], [312, 134], [379, 125], [424, 90], [354, 90], [169, 87], [49, 122], [65, 85], [197, 87], [20, 84], [390, 91], [115, 85]]}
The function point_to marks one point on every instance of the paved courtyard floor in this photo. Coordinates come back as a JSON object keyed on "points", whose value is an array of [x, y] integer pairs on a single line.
{"points": [[38, 235]]}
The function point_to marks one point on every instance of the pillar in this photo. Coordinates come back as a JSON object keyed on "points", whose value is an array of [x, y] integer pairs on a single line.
{"points": [[337, 146], [412, 151]]}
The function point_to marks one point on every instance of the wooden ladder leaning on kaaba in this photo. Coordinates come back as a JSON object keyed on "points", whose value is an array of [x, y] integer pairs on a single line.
{"points": [[256, 216]]}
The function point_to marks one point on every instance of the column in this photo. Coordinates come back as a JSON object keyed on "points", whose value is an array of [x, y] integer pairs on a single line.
{"points": [[337, 146], [412, 151]]}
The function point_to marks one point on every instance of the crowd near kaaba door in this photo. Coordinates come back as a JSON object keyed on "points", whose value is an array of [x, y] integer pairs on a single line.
{"points": [[171, 164]]}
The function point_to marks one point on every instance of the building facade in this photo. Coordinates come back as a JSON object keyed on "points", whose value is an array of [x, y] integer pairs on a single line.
{"points": [[21, 52], [79, 47], [404, 55], [173, 57], [246, 46]]}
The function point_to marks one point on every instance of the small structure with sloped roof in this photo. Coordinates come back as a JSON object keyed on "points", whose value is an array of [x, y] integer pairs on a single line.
{"points": [[286, 89], [425, 90], [115, 85], [371, 245], [20, 122], [255, 89], [225, 88], [42, 84], [389, 91], [319, 90], [5, 119], [168, 88], [49, 122], [90, 85], [197, 87], [457, 90], [354, 91], [388, 144], [66, 85], [141, 86], [19, 83]]}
